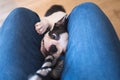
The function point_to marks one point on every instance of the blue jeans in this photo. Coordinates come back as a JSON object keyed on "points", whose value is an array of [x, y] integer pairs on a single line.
{"points": [[93, 51]]}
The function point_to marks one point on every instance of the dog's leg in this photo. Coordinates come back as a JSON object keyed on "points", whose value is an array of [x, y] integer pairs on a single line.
{"points": [[42, 26], [57, 71], [43, 72], [48, 22]]}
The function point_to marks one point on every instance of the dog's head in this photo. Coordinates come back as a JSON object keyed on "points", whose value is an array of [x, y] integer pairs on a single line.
{"points": [[55, 40]]}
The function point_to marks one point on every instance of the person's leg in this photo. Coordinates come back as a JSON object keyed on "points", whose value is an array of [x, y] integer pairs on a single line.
{"points": [[19, 45], [93, 51]]}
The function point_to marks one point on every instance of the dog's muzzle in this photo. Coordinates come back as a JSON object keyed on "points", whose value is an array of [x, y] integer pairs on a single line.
{"points": [[52, 49]]}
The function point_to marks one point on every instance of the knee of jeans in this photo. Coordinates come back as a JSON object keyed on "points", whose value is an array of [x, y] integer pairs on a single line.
{"points": [[22, 11], [86, 6], [19, 10], [90, 5], [83, 11]]}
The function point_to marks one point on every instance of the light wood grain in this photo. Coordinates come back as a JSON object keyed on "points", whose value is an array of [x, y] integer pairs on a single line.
{"points": [[110, 7]]}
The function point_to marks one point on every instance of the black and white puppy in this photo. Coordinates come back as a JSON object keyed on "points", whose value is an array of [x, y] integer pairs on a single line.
{"points": [[56, 39], [53, 44]]}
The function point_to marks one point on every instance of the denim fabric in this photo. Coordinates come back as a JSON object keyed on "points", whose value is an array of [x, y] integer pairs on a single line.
{"points": [[93, 51], [19, 45]]}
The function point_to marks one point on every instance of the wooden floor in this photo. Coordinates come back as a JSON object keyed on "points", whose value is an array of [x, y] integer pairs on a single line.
{"points": [[110, 7]]}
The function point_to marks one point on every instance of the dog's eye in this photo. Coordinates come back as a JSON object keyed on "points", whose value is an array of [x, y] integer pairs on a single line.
{"points": [[54, 36]]}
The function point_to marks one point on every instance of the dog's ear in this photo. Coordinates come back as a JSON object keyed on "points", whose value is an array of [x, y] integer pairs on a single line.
{"points": [[62, 21]]}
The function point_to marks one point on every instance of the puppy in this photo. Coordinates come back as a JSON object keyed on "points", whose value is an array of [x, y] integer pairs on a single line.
{"points": [[54, 42]]}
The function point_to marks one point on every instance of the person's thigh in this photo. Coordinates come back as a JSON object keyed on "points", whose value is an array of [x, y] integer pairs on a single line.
{"points": [[19, 45], [93, 51]]}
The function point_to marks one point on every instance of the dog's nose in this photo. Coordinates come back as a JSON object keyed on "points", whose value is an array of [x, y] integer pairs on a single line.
{"points": [[53, 49]]}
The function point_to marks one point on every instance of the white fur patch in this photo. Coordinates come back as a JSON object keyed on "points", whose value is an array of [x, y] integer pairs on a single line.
{"points": [[35, 77], [44, 72], [63, 41], [46, 64]]}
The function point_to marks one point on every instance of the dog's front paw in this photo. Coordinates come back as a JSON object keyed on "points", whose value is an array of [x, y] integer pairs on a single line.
{"points": [[41, 26], [44, 72]]}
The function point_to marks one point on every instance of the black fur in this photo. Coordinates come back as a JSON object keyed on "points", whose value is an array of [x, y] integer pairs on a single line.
{"points": [[53, 9]]}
